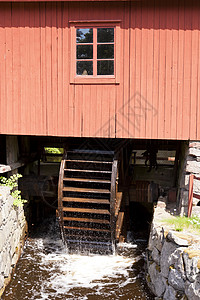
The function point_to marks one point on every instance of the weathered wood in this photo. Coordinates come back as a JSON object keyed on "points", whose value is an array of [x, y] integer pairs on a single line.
{"points": [[86, 180], [118, 202], [85, 190], [87, 220], [112, 199], [196, 196], [119, 224], [87, 210], [86, 200], [88, 171], [86, 229], [89, 161], [4, 168], [190, 195]]}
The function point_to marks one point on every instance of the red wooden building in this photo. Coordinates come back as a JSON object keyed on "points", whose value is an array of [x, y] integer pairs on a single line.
{"points": [[141, 80]]}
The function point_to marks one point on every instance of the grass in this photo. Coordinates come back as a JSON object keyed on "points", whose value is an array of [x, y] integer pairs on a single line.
{"points": [[181, 223]]}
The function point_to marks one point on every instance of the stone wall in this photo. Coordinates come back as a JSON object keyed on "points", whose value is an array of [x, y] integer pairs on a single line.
{"points": [[12, 235], [173, 261], [190, 164]]}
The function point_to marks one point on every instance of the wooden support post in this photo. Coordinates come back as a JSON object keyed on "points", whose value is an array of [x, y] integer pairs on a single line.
{"points": [[190, 195], [12, 152]]}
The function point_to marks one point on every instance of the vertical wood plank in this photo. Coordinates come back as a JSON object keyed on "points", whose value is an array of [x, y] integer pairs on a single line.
{"points": [[155, 102], [168, 76], [187, 74], [162, 68], [180, 82], [194, 56], [174, 79]]}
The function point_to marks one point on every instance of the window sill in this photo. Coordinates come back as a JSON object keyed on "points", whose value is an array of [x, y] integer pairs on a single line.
{"points": [[94, 80]]}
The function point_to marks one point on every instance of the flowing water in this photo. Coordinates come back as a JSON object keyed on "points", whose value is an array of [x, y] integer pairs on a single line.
{"points": [[47, 271]]}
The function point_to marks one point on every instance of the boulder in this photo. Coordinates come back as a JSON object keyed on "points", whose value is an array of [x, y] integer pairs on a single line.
{"points": [[175, 280], [172, 237], [170, 293], [156, 279], [191, 268], [192, 290], [156, 255], [167, 249], [176, 260]]}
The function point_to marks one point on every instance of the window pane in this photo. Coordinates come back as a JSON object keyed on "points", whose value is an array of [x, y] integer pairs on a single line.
{"points": [[105, 35], [84, 51], [105, 67], [105, 51], [84, 68], [84, 35]]}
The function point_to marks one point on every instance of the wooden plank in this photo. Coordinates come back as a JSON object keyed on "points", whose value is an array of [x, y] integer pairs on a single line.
{"points": [[101, 152], [190, 195], [86, 180], [118, 203], [89, 161], [85, 190], [187, 66], [156, 49], [194, 71], [196, 196], [162, 74], [86, 200], [88, 171], [86, 210], [180, 82], [119, 224], [168, 72], [174, 78], [112, 199], [86, 220], [86, 229]]}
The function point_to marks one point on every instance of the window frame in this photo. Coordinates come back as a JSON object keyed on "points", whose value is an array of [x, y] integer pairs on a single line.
{"points": [[98, 79]]}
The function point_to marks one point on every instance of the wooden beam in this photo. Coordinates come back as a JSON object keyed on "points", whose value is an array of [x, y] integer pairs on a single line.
{"points": [[11, 167]]}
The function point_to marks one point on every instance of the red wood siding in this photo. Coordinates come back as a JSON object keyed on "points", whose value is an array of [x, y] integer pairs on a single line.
{"points": [[159, 92]]}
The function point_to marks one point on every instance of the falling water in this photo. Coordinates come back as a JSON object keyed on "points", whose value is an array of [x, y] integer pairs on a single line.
{"points": [[47, 271]]}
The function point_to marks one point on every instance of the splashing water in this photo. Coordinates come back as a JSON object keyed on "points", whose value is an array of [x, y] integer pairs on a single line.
{"points": [[47, 271]]}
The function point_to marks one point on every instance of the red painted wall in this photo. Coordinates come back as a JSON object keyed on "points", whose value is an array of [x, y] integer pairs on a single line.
{"points": [[159, 92]]}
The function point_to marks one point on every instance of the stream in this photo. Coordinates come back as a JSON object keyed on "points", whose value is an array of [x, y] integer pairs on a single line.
{"points": [[46, 271]]}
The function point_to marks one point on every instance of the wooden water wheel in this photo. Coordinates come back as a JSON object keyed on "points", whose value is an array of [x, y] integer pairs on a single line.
{"points": [[88, 202]]}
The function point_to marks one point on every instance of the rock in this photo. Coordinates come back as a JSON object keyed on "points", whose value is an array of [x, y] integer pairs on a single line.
{"points": [[156, 255], [196, 186], [156, 279], [156, 238], [191, 268], [194, 144], [2, 239], [192, 290], [193, 167], [176, 260], [167, 249], [172, 237], [175, 280], [194, 151], [170, 293]]}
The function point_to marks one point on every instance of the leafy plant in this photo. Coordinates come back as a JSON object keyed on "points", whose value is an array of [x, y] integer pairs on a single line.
{"points": [[11, 182], [181, 223]]}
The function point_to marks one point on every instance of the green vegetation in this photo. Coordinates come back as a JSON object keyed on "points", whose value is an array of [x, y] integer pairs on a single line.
{"points": [[51, 150], [180, 223], [11, 182]]}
